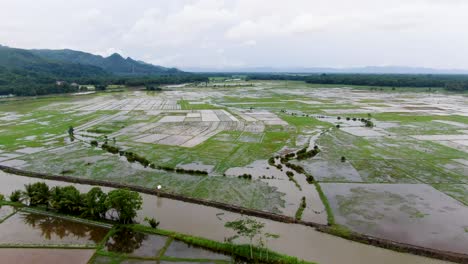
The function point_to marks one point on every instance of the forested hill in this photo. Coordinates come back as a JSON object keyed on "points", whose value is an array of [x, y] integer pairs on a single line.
{"points": [[25, 63], [114, 64], [36, 72]]}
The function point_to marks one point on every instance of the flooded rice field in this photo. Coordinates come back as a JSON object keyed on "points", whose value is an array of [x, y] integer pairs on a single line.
{"points": [[400, 143], [139, 245], [414, 214], [198, 220]]}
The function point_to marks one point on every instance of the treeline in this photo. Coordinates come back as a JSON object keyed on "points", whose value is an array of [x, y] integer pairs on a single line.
{"points": [[449, 82], [43, 84]]}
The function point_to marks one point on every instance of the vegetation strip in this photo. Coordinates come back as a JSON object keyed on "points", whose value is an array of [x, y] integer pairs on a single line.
{"points": [[301, 208], [331, 228], [242, 251]]}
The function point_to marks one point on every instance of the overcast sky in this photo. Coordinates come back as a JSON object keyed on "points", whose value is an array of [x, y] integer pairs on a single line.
{"points": [[216, 33]]}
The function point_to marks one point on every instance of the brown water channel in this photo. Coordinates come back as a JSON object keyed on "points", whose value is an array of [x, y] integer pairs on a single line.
{"points": [[198, 220]]}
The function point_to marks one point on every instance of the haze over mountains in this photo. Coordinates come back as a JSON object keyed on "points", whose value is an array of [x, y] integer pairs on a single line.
{"points": [[363, 70]]}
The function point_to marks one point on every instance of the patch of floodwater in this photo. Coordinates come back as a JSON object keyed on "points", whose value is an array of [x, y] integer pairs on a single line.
{"points": [[29, 138], [16, 163], [45, 255], [196, 166], [302, 140], [10, 116], [180, 249], [362, 131], [198, 220], [137, 244], [28, 228], [7, 156], [5, 211], [292, 194], [453, 123], [385, 125], [324, 170], [30, 150], [415, 214]]}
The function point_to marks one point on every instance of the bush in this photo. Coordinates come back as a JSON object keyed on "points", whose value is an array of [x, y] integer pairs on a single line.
{"points": [[15, 196], [2, 197], [245, 176], [343, 159], [94, 143], [301, 209], [271, 161], [109, 148], [152, 222]]}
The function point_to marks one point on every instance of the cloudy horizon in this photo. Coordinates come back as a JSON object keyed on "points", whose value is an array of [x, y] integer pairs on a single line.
{"points": [[248, 33]]}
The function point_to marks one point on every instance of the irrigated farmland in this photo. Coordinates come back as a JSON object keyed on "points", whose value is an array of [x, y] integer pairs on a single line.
{"points": [[388, 164]]}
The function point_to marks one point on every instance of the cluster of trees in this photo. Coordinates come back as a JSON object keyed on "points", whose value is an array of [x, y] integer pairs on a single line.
{"points": [[120, 204], [134, 157], [450, 82], [22, 83], [245, 176], [304, 154]]}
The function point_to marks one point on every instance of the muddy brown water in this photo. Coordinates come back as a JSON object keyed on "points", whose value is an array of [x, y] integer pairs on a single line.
{"points": [[198, 220], [137, 244], [33, 229], [44, 255]]}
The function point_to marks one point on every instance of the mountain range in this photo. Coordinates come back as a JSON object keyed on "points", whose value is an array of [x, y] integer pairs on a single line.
{"points": [[71, 63]]}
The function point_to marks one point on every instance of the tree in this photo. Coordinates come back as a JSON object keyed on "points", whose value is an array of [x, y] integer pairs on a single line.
{"points": [[71, 131], [248, 228], [126, 203], [66, 200], [37, 193], [152, 222], [16, 196], [95, 204]]}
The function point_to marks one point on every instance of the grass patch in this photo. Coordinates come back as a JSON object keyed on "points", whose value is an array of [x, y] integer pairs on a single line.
{"points": [[326, 204]]}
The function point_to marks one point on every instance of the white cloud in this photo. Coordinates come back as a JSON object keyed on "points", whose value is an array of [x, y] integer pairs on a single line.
{"points": [[279, 33]]}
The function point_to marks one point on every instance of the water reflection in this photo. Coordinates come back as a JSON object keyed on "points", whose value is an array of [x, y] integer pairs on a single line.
{"points": [[125, 240], [62, 228]]}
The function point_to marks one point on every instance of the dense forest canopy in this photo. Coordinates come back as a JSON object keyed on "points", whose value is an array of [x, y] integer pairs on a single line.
{"points": [[450, 82]]}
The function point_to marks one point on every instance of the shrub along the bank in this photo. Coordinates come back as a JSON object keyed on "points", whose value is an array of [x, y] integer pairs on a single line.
{"points": [[133, 157], [301, 208], [304, 154], [241, 252], [245, 176]]}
